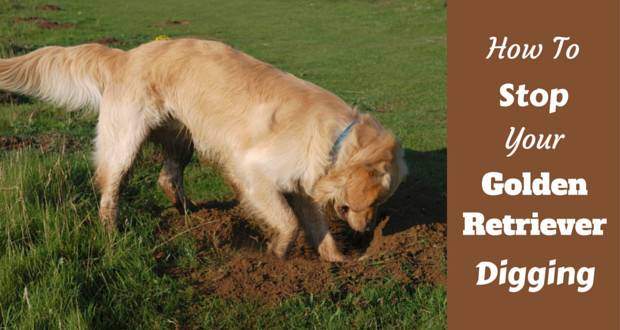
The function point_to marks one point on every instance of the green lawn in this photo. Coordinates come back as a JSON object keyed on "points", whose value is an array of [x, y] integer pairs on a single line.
{"points": [[58, 269]]}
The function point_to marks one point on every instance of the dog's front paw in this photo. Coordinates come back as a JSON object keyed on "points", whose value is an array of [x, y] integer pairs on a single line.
{"points": [[277, 249], [331, 254], [334, 257], [328, 250]]}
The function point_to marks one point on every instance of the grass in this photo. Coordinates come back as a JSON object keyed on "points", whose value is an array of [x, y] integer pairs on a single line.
{"points": [[59, 270]]}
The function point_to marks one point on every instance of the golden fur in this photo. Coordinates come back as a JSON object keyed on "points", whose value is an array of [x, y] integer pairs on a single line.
{"points": [[271, 132]]}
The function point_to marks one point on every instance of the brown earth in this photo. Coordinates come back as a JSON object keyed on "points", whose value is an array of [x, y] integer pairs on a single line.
{"points": [[50, 25], [408, 246], [44, 23]]}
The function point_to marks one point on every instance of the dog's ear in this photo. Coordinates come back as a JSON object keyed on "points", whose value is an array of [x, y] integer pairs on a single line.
{"points": [[365, 133], [330, 187], [363, 187]]}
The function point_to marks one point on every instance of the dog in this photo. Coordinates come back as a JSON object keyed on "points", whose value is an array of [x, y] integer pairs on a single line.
{"points": [[293, 150]]}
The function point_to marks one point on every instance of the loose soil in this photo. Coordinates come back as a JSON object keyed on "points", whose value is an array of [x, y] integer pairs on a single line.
{"points": [[408, 245]]}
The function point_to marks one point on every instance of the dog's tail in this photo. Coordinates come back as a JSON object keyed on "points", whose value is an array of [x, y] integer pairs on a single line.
{"points": [[73, 77]]}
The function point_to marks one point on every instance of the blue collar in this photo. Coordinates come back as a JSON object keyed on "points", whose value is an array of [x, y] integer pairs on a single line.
{"points": [[338, 143]]}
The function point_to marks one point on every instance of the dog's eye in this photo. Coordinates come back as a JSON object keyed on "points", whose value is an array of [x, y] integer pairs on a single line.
{"points": [[344, 209]]}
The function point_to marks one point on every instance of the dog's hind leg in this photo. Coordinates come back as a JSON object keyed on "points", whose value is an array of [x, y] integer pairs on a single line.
{"points": [[121, 130], [316, 227], [178, 149], [269, 204]]}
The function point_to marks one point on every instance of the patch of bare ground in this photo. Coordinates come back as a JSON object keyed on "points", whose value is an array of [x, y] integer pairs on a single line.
{"points": [[232, 262]]}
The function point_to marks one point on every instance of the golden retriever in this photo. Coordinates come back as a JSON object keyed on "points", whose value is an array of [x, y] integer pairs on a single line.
{"points": [[292, 149]]}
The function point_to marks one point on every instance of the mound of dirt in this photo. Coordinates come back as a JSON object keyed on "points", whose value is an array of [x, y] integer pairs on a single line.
{"points": [[44, 23], [233, 264], [51, 25]]}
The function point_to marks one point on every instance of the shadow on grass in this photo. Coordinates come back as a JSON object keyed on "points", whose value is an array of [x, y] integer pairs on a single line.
{"points": [[421, 199], [219, 205]]}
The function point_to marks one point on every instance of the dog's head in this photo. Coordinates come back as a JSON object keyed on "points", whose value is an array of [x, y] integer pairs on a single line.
{"points": [[366, 176]]}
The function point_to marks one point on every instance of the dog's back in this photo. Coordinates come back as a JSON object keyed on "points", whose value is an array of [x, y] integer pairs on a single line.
{"points": [[231, 101]]}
